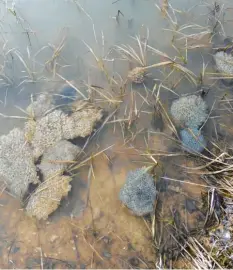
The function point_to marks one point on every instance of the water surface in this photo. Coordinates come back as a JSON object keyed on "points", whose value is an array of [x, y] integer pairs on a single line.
{"points": [[31, 33]]}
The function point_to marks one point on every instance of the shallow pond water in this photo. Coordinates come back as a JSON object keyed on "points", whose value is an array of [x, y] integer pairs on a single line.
{"points": [[47, 43]]}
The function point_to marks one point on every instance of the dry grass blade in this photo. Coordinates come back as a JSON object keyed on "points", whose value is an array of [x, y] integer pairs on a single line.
{"points": [[83, 163], [158, 52], [190, 75], [142, 46], [100, 64], [215, 75], [14, 117], [142, 50], [164, 11], [130, 54], [106, 94], [217, 159], [202, 259], [7, 79], [71, 85], [167, 117], [25, 65], [165, 63], [93, 249], [186, 182], [195, 36]]}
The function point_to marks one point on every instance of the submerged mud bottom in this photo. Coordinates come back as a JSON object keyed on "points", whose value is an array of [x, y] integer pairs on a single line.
{"points": [[98, 233], [92, 229]]}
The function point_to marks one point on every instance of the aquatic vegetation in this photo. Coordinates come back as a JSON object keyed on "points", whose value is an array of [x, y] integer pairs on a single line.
{"points": [[57, 126], [17, 168], [189, 111], [139, 192], [192, 140], [139, 57], [56, 158], [47, 196]]}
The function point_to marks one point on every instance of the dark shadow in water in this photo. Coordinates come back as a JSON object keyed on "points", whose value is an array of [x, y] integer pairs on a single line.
{"points": [[67, 95]]}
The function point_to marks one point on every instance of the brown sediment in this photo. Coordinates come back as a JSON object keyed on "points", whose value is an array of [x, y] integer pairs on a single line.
{"points": [[104, 218], [105, 234]]}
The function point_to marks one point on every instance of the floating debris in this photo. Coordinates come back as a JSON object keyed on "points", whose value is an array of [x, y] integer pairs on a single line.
{"points": [[139, 192], [57, 126], [137, 75], [45, 200], [17, 168], [189, 111], [192, 140], [56, 159]]}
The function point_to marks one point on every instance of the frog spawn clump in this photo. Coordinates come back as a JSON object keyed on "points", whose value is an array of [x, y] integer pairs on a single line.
{"points": [[224, 62], [39, 107], [192, 140], [46, 135], [57, 126], [137, 75], [223, 59], [57, 158], [48, 195], [45, 200], [17, 168], [139, 192], [190, 112]]}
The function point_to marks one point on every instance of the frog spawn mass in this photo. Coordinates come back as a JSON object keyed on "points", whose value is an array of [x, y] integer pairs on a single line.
{"points": [[190, 112], [45, 136], [139, 192]]}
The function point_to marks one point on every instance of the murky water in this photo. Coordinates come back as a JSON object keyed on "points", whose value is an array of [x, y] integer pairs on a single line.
{"points": [[43, 44]]}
